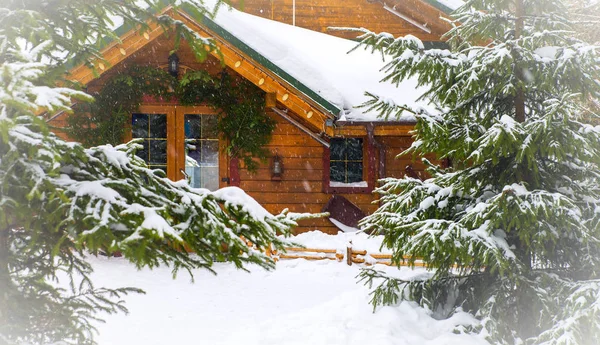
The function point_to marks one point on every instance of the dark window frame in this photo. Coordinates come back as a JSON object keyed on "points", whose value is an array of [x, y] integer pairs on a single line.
{"points": [[369, 170], [149, 139], [349, 160]]}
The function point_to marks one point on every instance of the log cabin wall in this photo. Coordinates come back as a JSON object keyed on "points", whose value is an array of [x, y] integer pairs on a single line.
{"points": [[301, 185], [396, 164], [155, 54], [318, 15]]}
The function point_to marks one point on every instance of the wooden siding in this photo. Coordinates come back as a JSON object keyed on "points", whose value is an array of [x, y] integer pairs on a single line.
{"points": [[157, 54], [301, 186], [395, 163], [318, 15]]}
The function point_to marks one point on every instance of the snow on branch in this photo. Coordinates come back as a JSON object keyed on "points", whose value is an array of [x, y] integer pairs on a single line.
{"points": [[112, 201]]}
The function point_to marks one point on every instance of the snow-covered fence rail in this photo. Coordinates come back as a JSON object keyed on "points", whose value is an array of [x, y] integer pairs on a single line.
{"points": [[350, 256], [310, 254]]}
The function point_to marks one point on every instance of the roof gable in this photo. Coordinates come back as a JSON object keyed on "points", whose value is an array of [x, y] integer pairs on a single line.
{"points": [[313, 112], [309, 72]]}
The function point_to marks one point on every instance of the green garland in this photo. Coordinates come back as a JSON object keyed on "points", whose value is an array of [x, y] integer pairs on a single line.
{"points": [[240, 104]]}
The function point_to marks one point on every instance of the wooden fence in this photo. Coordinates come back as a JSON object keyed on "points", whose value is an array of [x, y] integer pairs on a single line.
{"points": [[349, 256]]}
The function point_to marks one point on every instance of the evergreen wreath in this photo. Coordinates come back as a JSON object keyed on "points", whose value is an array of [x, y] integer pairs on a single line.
{"points": [[242, 119]]}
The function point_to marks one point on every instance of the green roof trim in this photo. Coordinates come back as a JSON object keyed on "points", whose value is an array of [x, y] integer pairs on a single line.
{"points": [[440, 6], [256, 56]]}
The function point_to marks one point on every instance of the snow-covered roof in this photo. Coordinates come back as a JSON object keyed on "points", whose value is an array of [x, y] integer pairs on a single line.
{"points": [[320, 62], [316, 64], [452, 5], [447, 5]]}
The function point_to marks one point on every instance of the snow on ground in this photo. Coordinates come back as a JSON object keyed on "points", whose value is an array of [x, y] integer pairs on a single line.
{"points": [[301, 302], [360, 241]]}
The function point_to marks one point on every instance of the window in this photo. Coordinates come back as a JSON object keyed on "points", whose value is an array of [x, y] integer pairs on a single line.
{"points": [[183, 142], [153, 129], [201, 150], [346, 162]]}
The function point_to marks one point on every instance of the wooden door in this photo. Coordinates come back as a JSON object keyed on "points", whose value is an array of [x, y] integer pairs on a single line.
{"points": [[184, 142]]}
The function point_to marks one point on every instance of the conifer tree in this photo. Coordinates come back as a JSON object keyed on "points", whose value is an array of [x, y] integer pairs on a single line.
{"points": [[511, 228], [60, 202]]}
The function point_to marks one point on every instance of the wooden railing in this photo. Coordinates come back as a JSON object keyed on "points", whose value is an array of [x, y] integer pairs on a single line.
{"points": [[350, 255]]}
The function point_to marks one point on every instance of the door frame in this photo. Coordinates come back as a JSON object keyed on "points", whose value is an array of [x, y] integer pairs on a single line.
{"points": [[176, 138]]}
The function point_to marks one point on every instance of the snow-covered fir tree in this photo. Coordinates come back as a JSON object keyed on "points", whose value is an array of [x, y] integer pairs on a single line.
{"points": [[60, 202], [511, 229]]}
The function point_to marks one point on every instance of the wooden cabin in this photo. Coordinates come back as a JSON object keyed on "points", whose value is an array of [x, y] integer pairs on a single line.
{"points": [[332, 152], [416, 17]]}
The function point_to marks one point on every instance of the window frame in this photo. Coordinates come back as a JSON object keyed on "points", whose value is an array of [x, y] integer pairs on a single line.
{"points": [[176, 137], [151, 138], [369, 169]]}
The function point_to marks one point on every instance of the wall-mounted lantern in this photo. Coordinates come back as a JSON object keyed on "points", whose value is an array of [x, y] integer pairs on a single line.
{"points": [[276, 167], [173, 65]]}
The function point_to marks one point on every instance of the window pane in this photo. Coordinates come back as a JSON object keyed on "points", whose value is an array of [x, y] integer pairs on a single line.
{"points": [[337, 149], [158, 126], [158, 152], [192, 150], [354, 172], [139, 126], [209, 127], [210, 177], [354, 149], [143, 153], [202, 150], [337, 172], [346, 160], [151, 127], [192, 126], [193, 173], [210, 153]]}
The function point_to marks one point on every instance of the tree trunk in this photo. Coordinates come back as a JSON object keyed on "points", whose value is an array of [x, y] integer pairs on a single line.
{"points": [[520, 96]]}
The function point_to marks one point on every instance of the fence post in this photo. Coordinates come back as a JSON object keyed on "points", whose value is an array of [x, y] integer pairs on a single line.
{"points": [[349, 253]]}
